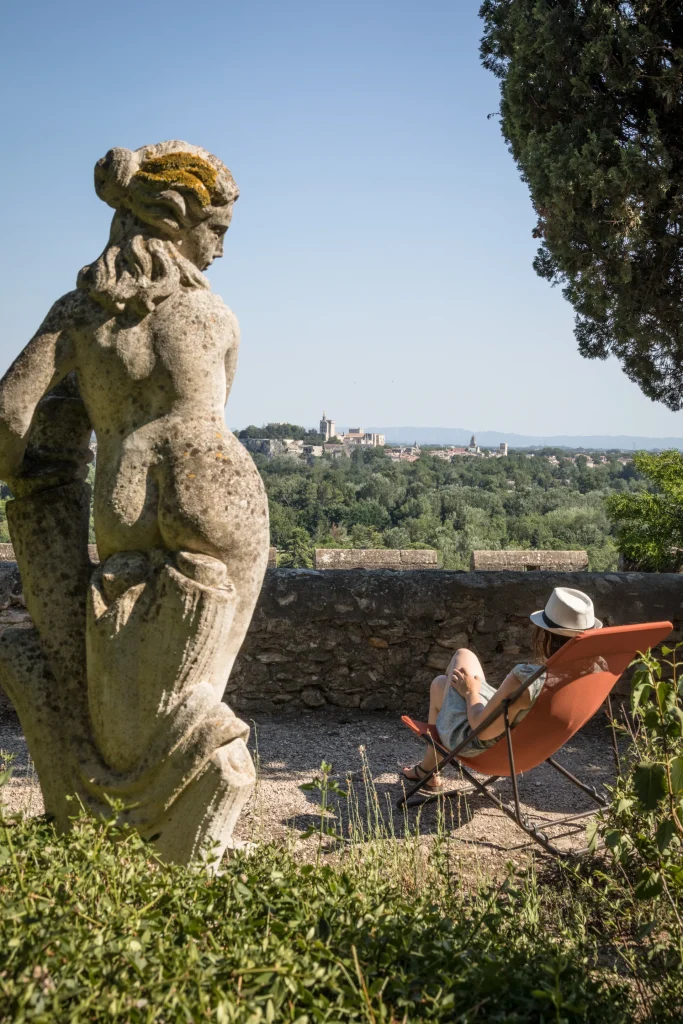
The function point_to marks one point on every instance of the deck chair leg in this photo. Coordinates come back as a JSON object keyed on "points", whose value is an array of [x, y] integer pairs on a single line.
{"points": [[511, 758], [590, 791], [514, 814]]}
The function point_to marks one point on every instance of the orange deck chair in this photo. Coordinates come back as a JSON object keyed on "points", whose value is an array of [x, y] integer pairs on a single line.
{"points": [[580, 678]]}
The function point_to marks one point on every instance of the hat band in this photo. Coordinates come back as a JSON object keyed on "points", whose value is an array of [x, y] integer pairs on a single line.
{"points": [[555, 625]]}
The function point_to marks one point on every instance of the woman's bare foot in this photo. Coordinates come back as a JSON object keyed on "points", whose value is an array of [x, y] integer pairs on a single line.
{"points": [[417, 772]]}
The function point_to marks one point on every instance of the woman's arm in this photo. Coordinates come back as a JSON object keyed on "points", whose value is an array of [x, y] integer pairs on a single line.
{"points": [[468, 687], [47, 359]]}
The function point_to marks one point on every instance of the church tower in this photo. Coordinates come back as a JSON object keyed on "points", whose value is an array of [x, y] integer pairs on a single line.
{"points": [[328, 428]]}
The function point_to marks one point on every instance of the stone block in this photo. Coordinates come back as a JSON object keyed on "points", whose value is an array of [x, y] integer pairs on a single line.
{"points": [[312, 697], [343, 700], [273, 657], [375, 558], [453, 643], [439, 658], [374, 702], [360, 681]]}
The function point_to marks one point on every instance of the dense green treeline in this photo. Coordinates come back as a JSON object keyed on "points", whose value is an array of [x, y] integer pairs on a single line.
{"points": [[368, 500]]}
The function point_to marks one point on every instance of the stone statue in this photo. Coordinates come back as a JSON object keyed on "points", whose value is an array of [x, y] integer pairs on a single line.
{"points": [[118, 686]]}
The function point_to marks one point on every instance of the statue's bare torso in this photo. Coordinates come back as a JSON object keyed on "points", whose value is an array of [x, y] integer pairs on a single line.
{"points": [[169, 473]]}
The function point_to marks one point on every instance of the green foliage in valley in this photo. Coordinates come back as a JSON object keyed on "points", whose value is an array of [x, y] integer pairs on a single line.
{"points": [[649, 524], [456, 507], [592, 110]]}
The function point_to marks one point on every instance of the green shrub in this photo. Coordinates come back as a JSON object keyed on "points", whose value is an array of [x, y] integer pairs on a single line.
{"points": [[643, 830], [643, 827], [94, 929]]}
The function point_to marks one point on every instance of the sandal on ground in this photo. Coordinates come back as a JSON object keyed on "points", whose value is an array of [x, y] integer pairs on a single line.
{"points": [[418, 772]]}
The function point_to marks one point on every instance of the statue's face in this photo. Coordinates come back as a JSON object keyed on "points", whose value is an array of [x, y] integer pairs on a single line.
{"points": [[204, 243]]}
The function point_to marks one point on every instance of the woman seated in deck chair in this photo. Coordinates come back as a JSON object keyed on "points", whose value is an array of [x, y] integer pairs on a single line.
{"points": [[460, 699]]}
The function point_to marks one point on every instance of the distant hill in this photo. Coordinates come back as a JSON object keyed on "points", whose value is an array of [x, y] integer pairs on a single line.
{"points": [[492, 438]]}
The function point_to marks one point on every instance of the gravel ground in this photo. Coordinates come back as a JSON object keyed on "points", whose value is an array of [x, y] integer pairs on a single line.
{"points": [[289, 749]]}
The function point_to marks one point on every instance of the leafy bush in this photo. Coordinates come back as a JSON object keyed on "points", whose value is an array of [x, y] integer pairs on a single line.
{"points": [[94, 929], [644, 824], [643, 829]]}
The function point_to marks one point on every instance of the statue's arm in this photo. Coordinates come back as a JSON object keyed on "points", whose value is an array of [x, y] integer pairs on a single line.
{"points": [[45, 361]]}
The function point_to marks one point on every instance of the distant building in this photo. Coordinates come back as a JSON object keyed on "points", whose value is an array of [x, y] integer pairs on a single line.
{"points": [[271, 447], [411, 454], [473, 447], [328, 428], [358, 436], [354, 436], [335, 450], [503, 449]]}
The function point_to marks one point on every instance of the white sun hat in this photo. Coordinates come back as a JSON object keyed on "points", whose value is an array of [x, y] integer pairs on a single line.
{"points": [[567, 612]]}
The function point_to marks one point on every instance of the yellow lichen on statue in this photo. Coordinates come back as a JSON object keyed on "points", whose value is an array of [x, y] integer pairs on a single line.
{"points": [[184, 170]]}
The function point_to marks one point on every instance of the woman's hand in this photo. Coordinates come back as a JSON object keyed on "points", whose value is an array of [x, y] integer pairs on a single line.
{"points": [[465, 684]]}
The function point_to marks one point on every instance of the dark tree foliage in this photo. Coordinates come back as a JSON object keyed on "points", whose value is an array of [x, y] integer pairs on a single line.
{"points": [[649, 523], [592, 110], [278, 431], [368, 501]]}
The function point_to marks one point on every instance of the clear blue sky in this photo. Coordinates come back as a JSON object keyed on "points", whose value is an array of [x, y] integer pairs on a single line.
{"points": [[380, 256]]}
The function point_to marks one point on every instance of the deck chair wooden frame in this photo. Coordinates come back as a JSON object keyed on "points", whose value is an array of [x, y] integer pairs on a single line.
{"points": [[581, 676]]}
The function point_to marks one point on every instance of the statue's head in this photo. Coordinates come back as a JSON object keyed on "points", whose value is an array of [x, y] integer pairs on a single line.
{"points": [[173, 204], [177, 191]]}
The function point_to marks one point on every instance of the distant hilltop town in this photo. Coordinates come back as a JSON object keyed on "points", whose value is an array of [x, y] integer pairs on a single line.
{"points": [[335, 444], [354, 437], [410, 454]]}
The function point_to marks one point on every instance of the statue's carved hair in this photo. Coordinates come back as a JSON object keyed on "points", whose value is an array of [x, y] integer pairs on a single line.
{"points": [[157, 192]]}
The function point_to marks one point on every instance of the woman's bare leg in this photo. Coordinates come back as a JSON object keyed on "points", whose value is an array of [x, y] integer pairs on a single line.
{"points": [[463, 658], [437, 691], [466, 659]]}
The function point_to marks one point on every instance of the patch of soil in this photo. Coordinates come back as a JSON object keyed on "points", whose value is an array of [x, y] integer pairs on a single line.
{"points": [[367, 752]]}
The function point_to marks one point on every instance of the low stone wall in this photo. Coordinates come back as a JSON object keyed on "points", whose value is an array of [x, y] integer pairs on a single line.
{"points": [[374, 640], [526, 561], [376, 558]]}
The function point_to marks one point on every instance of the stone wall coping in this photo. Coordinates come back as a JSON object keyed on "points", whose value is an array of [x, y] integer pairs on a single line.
{"points": [[375, 558], [360, 594]]}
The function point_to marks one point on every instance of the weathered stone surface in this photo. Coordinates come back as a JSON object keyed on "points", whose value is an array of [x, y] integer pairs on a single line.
{"points": [[494, 607], [118, 682], [375, 558], [397, 677], [521, 561], [312, 697]]}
